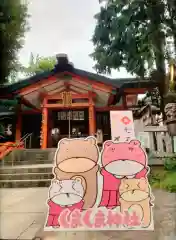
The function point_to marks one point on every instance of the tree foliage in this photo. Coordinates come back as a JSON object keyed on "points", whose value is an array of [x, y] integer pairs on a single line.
{"points": [[38, 65], [13, 25], [133, 34]]}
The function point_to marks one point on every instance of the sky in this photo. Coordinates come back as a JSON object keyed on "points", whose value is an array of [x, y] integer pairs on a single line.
{"points": [[63, 26]]}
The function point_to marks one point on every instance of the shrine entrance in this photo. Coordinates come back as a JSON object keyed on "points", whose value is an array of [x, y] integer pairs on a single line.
{"points": [[67, 115], [70, 123]]}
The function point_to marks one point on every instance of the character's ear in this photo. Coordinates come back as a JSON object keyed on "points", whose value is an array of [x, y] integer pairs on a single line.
{"points": [[63, 141], [78, 180], [91, 140], [108, 143], [135, 142], [81, 180], [56, 182]]}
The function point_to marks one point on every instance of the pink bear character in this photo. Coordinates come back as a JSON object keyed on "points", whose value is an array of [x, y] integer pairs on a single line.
{"points": [[120, 160], [65, 194]]}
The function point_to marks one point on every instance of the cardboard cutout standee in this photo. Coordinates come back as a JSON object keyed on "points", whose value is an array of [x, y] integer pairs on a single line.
{"points": [[94, 190]]}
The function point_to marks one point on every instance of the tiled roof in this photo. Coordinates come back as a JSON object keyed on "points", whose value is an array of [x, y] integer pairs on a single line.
{"points": [[118, 83]]}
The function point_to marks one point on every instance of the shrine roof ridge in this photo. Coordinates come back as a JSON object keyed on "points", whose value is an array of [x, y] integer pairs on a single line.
{"points": [[117, 83]]}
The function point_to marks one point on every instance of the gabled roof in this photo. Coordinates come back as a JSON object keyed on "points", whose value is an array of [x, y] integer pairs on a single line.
{"points": [[117, 83]]}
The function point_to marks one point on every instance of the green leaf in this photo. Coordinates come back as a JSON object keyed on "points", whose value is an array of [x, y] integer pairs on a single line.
{"points": [[131, 34]]}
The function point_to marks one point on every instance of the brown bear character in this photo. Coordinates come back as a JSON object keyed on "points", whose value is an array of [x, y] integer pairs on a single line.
{"points": [[135, 195], [79, 158]]}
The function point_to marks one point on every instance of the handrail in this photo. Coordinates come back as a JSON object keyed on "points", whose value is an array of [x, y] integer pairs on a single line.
{"points": [[10, 144], [26, 137], [7, 147]]}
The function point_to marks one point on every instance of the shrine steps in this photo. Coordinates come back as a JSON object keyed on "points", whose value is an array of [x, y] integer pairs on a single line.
{"points": [[27, 168], [38, 175]]}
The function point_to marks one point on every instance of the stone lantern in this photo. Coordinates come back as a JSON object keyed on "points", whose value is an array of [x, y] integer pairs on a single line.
{"points": [[170, 108]]}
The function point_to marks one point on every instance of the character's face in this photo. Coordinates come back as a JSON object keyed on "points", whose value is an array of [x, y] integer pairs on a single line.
{"points": [[134, 190], [123, 168], [66, 192], [123, 159], [77, 155]]}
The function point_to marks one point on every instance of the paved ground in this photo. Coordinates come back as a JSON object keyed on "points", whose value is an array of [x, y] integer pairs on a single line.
{"points": [[22, 212], [22, 215]]}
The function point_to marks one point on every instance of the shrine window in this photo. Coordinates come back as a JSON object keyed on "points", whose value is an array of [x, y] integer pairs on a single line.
{"points": [[55, 101], [72, 115], [80, 100]]}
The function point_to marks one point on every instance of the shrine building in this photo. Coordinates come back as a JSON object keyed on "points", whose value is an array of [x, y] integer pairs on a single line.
{"points": [[69, 100]]}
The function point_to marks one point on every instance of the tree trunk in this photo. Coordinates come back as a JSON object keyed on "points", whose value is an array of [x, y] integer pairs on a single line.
{"points": [[158, 41]]}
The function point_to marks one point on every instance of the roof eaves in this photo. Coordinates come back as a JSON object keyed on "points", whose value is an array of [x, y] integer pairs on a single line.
{"points": [[26, 82], [117, 83], [112, 81]]}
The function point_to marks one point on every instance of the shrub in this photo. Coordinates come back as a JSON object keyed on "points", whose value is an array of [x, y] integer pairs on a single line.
{"points": [[170, 163], [169, 183]]}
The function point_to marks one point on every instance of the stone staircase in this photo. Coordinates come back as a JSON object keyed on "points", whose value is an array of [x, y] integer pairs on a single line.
{"points": [[24, 168], [33, 167]]}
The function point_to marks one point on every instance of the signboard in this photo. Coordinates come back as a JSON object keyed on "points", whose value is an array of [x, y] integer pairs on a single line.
{"points": [[72, 115], [66, 98], [122, 125], [93, 190]]}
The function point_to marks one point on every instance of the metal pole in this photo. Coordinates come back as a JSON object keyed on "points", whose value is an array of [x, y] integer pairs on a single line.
{"points": [[69, 124], [30, 141]]}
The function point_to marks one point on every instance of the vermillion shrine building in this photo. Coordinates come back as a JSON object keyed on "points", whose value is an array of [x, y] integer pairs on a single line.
{"points": [[72, 101]]}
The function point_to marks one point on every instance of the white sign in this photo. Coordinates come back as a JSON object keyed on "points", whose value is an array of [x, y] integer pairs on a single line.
{"points": [[122, 125], [144, 138]]}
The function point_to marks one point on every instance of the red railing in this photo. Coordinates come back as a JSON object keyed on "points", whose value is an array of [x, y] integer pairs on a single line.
{"points": [[7, 147]]}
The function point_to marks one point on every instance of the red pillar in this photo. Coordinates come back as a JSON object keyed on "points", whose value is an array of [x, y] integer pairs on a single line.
{"points": [[18, 124], [92, 118], [44, 130]]}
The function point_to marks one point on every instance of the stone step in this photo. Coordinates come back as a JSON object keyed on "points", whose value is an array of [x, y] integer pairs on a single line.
{"points": [[36, 168], [25, 183], [24, 162], [25, 176], [27, 154]]}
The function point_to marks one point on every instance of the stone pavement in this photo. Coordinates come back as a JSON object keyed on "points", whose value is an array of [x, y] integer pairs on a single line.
{"points": [[22, 212], [22, 215]]}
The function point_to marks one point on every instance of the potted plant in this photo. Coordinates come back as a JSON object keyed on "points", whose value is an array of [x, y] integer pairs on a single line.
{"points": [[170, 101]]}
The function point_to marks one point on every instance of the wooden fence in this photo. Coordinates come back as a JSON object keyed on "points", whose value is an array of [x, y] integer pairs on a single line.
{"points": [[158, 139]]}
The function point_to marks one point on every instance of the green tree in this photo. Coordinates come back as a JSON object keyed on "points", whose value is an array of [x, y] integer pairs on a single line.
{"points": [[38, 64], [13, 25], [170, 19], [133, 34], [129, 34]]}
